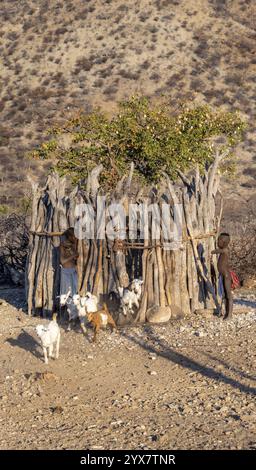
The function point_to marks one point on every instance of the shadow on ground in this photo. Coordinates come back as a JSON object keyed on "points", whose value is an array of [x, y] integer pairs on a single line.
{"points": [[163, 350], [27, 342]]}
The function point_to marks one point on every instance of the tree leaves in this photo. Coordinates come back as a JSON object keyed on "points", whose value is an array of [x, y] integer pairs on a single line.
{"points": [[151, 135]]}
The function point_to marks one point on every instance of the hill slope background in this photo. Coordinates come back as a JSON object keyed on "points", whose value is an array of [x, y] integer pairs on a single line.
{"points": [[59, 56]]}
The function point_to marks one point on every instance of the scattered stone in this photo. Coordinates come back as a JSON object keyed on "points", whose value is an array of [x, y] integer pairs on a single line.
{"points": [[45, 376], [57, 409], [152, 356]]}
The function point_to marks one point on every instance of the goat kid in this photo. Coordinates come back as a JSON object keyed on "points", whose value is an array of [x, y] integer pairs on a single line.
{"points": [[85, 304], [67, 301], [101, 319], [72, 312], [136, 286], [50, 337], [130, 297]]}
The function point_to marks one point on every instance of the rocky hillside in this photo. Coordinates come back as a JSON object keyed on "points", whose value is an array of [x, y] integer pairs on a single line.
{"points": [[58, 56]]}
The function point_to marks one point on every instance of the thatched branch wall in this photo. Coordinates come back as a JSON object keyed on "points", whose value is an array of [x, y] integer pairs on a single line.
{"points": [[183, 277]]}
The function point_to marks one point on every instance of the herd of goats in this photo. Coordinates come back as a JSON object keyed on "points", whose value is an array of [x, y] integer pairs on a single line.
{"points": [[86, 309]]}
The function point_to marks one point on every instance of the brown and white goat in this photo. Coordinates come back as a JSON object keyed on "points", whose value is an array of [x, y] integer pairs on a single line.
{"points": [[100, 319]]}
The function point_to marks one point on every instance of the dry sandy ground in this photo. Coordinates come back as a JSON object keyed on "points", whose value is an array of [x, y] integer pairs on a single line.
{"points": [[184, 385]]}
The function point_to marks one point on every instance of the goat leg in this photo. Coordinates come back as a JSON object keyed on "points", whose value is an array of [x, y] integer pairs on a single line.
{"points": [[57, 347], [96, 328], [82, 323], [111, 323], [45, 355], [51, 350]]}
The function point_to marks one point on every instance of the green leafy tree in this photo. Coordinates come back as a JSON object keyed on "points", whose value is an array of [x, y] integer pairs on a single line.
{"points": [[150, 135]]}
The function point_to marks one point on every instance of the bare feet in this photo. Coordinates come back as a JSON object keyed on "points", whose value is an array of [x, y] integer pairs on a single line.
{"points": [[227, 317]]}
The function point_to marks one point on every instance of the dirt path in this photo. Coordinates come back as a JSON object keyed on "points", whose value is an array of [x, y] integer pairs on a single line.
{"points": [[185, 385]]}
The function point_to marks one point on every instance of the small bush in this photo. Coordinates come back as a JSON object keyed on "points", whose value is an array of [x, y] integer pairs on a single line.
{"points": [[98, 83], [155, 76], [110, 90], [129, 75], [84, 63]]}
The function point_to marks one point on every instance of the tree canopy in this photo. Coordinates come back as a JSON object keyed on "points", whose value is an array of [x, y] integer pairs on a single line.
{"points": [[153, 136]]}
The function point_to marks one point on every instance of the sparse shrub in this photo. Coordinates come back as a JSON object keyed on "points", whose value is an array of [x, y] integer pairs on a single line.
{"points": [[82, 15], [57, 76], [144, 16], [60, 31], [234, 79], [145, 65], [154, 76], [166, 3], [22, 106], [47, 38], [12, 36], [84, 63], [202, 50], [197, 84], [123, 8], [102, 59], [104, 73], [242, 65], [18, 69], [168, 17], [209, 94], [243, 253], [26, 26], [173, 80], [98, 83], [152, 29], [129, 75], [110, 90], [213, 59]]}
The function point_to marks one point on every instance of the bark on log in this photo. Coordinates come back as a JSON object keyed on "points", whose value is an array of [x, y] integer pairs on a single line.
{"points": [[181, 277]]}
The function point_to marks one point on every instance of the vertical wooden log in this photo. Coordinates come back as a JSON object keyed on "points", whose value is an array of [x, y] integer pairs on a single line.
{"points": [[146, 270], [32, 250]]}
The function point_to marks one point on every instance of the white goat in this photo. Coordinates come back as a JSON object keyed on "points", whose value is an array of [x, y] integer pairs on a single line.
{"points": [[136, 286], [85, 304], [131, 296], [50, 337], [128, 300], [67, 300], [90, 302], [72, 312]]}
